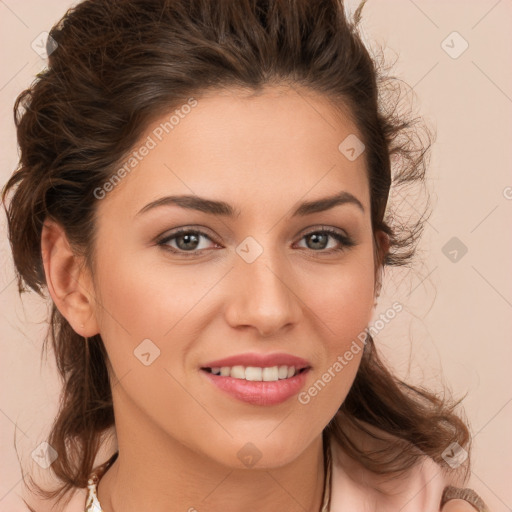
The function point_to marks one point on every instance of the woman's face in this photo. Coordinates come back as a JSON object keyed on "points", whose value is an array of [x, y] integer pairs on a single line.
{"points": [[254, 276]]}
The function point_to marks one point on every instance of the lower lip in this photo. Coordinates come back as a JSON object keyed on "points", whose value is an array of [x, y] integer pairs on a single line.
{"points": [[259, 392]]}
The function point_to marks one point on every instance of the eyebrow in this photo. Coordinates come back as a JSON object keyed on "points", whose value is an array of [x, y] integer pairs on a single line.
{"points": [[221, 208]]}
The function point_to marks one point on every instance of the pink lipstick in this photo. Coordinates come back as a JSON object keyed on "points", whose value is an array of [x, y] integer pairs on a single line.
{"points": [[258, 379]]}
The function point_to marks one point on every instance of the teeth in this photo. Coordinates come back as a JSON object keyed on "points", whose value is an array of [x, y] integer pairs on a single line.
{"points": [[282, 372], [254, 373], [270, 374], [238, 372]]}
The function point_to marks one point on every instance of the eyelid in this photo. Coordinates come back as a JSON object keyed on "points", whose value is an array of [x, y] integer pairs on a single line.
{"points": [[330, 229]]}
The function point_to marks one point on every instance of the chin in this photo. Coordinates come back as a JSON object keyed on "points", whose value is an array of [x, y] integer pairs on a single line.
{"points": [[260, 452]]}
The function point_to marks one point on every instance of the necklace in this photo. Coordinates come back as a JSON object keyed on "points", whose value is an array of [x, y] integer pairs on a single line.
{"points": [[93, 505]]}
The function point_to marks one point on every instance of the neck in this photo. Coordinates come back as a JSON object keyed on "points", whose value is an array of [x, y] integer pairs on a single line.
{"points": [[155, 472]]}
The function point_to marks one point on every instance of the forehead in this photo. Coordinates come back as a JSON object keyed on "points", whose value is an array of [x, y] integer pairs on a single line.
{"points": [[256, 149]]}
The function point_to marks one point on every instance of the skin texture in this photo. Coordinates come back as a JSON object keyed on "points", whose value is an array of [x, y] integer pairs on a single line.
{"points": [[178, 435]]}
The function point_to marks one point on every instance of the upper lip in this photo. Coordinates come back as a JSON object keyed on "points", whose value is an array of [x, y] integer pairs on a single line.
{"points": [[259, 360]]}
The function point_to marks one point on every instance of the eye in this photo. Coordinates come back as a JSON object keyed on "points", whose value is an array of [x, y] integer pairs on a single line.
{"points": [[185, 240], [318, 240]]}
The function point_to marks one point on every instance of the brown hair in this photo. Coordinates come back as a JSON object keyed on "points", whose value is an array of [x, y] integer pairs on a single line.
{"points": [[120, 64]]}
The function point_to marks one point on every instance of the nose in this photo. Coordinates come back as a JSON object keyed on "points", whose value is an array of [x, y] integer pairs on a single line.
{"points": [[264, 295]]}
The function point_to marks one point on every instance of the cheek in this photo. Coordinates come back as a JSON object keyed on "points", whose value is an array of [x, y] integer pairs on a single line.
{"points": [[144, 310], [140, 300], [343, 299], [340, 306]]}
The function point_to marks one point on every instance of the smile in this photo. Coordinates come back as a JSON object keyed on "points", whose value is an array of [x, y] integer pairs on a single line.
{"points": [[258, 391]]}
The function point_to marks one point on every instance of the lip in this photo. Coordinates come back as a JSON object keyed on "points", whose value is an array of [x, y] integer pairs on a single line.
{"points": [[259, 392], [260, 360]]}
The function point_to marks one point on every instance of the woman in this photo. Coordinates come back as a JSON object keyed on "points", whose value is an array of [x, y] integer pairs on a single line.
{"points": [[237, 373]]}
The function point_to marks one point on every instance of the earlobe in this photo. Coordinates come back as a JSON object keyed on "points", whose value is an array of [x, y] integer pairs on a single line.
{"points": [[68, 284]]}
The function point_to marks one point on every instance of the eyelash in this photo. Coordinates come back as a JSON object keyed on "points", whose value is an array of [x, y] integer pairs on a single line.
{"points": [[346, 241]]}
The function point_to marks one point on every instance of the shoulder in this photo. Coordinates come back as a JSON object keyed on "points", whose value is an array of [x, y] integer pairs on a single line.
{"points": [[420, 489], [356, 488]]}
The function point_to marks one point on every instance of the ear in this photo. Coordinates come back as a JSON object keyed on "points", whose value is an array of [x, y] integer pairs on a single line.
{"points": [[382, 245], [68, 282]]}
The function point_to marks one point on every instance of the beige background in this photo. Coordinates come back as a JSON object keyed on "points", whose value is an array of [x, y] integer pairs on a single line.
{"points": [[457, 323]]}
